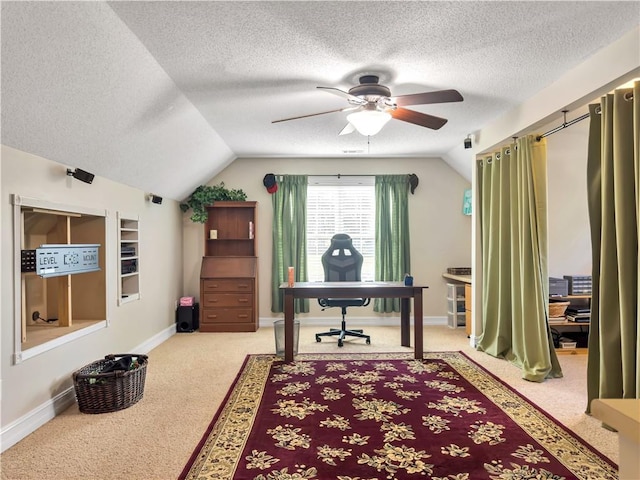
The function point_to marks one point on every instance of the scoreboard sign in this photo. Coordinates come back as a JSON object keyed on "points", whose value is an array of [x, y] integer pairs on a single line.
{"points": [[57, 260]]}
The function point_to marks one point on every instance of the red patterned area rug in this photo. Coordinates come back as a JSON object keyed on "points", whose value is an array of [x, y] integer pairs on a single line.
{"points": [[384, 416]]}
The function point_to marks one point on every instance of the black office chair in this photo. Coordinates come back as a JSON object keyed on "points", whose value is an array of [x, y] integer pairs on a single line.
{"points": [[342, 263]]}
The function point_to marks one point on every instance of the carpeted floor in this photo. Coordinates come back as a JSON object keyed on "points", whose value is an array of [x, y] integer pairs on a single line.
{"points": [[384, 415], [187, 379]]}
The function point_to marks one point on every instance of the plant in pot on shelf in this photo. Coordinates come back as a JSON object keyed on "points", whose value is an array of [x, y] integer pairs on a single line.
{"points": [[204, 196]]}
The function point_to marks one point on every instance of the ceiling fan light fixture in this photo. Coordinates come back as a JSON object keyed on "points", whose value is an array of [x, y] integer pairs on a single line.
{"points": [[368, 122]]}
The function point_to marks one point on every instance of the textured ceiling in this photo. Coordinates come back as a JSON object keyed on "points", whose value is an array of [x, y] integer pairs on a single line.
{"points": [[163, 95]]}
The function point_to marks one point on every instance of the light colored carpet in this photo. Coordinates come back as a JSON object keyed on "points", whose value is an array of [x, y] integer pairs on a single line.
{"points": [[187, 379]]}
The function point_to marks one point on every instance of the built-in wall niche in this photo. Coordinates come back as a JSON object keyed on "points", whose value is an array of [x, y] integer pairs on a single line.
{"points": [[52, 311], [128, 258]]}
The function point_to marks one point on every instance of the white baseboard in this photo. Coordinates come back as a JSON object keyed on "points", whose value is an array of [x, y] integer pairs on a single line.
{"points": [[355, 321], [31, 421]]}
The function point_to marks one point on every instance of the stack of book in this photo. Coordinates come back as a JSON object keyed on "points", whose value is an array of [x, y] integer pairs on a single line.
{"points": [[578, 314], [557, 320]]}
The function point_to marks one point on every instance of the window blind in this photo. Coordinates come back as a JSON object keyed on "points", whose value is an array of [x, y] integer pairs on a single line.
{"points": [[333, 208]]}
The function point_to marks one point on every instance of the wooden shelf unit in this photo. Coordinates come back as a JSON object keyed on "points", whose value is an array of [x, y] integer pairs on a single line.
{"points": [[582, 300], [231, 222], [229, 271]]}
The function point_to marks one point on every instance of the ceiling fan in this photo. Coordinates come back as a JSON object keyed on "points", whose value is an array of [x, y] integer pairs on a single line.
{"points": [[372, 106]]}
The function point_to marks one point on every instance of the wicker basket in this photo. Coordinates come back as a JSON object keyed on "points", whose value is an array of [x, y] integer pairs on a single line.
{"points": [[107, 392], [557, 309]]}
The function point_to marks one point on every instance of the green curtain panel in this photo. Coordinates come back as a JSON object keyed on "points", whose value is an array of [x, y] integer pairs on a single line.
{"points": [[512, 188], [289, 238], [392, 249], [613, 187]]}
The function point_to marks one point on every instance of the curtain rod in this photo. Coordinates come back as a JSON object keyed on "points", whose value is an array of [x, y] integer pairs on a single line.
{"points": [[339, 175], [627, 96], [564, 125]]}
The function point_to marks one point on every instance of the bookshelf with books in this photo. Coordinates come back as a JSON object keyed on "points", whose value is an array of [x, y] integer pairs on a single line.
{"points": [[577, 314]]}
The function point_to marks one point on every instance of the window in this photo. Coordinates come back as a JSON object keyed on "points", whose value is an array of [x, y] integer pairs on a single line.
{"points": [[344, 204]]}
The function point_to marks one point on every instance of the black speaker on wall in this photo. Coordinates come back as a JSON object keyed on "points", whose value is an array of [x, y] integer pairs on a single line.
{"points": [[187, 318]]}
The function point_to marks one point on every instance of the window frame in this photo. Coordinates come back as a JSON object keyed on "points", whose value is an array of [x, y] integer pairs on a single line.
{"points": [[345, 181], [19, 202]]}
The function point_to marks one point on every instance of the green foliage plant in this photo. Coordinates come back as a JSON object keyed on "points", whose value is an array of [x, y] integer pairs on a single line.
{"points": [[205, 195]]}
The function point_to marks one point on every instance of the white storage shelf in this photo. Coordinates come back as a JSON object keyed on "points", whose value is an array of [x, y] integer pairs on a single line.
{"points": [[455, 305], [128, 259]]}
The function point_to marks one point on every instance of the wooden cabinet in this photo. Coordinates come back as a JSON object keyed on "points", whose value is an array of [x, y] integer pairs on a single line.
{"points": [[468, 302], [229, 272], [229, 294]]}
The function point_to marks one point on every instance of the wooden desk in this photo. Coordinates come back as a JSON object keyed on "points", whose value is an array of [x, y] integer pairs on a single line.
{"points": [[357, 290], [623, 414]]}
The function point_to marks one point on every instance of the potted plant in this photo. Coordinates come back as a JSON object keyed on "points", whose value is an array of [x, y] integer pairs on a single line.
{"points": [[205, 195]]}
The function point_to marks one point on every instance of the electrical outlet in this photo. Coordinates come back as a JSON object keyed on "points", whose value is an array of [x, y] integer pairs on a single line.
{"points": [[35, 315]]}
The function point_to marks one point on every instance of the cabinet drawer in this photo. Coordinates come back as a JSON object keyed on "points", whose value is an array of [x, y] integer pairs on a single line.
{"points": [[227, 300], [227, 315], [227, 285]]}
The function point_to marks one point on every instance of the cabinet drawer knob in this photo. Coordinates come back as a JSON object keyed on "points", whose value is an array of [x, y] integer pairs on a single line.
{"points": [[242, 300], [244, 315]]}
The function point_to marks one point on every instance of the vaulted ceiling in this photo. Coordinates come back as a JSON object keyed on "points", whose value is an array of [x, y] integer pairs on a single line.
{"points": [[163, 95]]}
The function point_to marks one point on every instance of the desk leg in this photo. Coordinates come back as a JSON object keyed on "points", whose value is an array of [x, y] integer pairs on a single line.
{"points": [[405, 327], [288, 327], [417, 323]]}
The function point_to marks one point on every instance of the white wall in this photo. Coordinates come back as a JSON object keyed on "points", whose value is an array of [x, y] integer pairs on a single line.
{"points": [[440, 234], [32, 384], [569, 236]]}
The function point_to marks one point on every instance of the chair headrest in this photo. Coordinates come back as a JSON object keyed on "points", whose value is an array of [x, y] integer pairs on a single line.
{"points": [[341, 240]]}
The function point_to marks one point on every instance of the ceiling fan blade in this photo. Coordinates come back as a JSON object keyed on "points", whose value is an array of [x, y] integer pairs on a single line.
{"points": [[310, 115], [349, 128], [417, 118], [441, 96], [343, 94]]}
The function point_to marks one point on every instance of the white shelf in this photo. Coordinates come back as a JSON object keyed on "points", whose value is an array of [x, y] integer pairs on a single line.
{"points": [[128, 237], [456, 315]]}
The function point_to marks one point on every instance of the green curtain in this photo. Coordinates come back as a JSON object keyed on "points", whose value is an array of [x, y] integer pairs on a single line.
{"points": [[613, 186], [512, 188], [392, 249], [289, 238]]}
